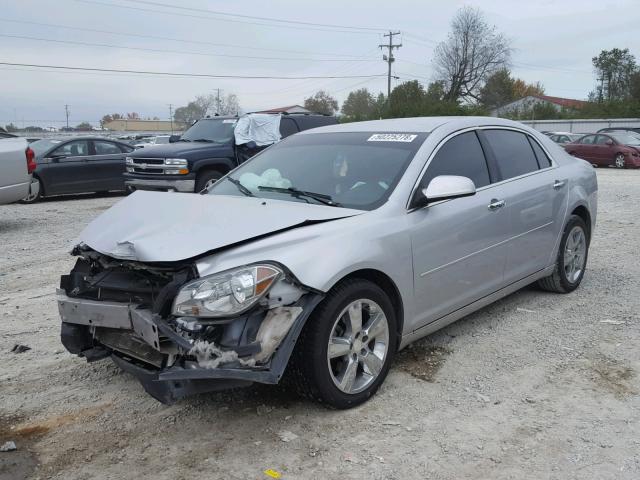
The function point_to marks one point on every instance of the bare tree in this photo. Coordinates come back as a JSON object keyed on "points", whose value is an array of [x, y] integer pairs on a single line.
{"points": [[473, 51]]}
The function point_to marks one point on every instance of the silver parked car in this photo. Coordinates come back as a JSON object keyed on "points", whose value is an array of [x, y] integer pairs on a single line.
{"points": [[325, 254]]}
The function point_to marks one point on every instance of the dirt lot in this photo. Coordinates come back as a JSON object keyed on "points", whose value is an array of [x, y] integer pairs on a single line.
{"points": [[535, 386]]}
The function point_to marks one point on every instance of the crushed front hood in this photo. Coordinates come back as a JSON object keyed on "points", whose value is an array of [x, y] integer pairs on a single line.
{"points": [[166, 227]]}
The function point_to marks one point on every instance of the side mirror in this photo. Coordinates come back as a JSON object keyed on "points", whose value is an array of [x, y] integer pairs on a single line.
{"points": [[174, 138], [447, 187], [609, 142]]}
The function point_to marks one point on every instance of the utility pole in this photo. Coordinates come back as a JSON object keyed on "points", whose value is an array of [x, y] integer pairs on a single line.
{"points": [[171, 116], [218, 101], [389, 58], [66, 112]]}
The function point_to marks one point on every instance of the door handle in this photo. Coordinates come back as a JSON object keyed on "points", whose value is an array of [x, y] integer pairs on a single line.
{"points": [[496, 204], [558, 184]]}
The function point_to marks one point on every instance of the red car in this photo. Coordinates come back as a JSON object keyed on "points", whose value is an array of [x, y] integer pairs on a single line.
{"points": [[620, 149]]}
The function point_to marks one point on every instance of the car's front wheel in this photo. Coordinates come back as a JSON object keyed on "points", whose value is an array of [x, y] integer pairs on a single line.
{"points": [[206, 179], [572, 258], [345, 350], [619, 160]]}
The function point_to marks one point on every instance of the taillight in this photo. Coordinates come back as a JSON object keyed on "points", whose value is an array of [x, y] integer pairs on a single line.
{"points": [[31, 162]]}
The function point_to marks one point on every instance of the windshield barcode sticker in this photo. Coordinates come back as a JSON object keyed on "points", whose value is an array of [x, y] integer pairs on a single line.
{"points": [[392, 137]]}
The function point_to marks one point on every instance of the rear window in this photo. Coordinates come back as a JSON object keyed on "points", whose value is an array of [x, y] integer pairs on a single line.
{"points": [[512, 151], [543, 160]]}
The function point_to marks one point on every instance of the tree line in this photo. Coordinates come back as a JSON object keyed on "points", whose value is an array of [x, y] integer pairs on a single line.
{"points": [[473, 77]]}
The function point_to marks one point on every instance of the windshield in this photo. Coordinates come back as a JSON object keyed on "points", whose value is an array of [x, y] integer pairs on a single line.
{"points": [[626, 138], [218, 130], [352, 170], [41, 146]]}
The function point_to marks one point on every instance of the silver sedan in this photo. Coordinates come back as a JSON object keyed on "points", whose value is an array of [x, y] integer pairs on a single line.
{"points": [[327, 253]]}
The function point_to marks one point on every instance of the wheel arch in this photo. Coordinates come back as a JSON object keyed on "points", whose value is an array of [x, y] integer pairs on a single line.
{"points": [[222, 165], [385, 282], [582, 212]]}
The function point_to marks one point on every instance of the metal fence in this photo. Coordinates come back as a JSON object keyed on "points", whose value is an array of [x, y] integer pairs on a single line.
{"points": [[582, 125]]}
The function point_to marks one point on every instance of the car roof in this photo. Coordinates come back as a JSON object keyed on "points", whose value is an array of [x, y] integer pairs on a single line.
{"points": [[413, 124]]}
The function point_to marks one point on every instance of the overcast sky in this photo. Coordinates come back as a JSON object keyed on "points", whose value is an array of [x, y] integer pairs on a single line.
{"points": [[553, 43]]}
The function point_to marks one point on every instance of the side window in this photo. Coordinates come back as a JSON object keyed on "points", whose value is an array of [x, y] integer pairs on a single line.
{"points": [[287, 127], [73, 149], [543, 160], [562, 139], [601, 140], [512, 151], [462, 155], [125, 148], [106, 148], [588, 140]]}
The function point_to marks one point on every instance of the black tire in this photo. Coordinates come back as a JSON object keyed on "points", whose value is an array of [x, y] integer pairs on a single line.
{"points": [[33, 198], [206, 177], [558, 281], [618, 160], [308, 371]]}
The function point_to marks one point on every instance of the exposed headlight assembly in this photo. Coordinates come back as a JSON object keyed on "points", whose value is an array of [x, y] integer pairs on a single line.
{"points": [[226, 293]]}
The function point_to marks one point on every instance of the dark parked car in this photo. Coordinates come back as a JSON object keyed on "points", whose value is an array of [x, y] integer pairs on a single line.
{"points": [[203, 154], [602, 150], [77, 165]]}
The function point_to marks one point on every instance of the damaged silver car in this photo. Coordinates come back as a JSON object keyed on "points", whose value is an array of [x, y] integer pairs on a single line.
{"points": [[325, 254]]}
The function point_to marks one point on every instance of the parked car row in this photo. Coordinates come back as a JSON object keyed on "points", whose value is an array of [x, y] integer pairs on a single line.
{"points": [[191, 162], [609, 147]]}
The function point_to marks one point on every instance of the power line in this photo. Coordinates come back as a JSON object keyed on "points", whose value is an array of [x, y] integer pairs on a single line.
{"points": [[175, 74], [174, 39], [158, 50], [200, 17], [269, 19]]}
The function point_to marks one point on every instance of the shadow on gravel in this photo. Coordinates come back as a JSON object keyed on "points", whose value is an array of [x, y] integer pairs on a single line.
{"points": [[83, 196], [14, 225]]}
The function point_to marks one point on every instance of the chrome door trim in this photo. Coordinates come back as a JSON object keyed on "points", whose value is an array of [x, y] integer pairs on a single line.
{"points": [[503, 242]]}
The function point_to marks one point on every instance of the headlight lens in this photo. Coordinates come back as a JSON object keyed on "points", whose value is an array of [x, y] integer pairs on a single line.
{"points": [[226, 293], [128, 160], [175, 161]]}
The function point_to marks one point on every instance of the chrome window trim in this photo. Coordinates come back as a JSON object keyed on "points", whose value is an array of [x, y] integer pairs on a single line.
{"points": [[491, 185]]}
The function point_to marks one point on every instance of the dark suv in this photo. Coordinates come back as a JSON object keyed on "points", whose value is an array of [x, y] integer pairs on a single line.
{"points": [[203, 154]]}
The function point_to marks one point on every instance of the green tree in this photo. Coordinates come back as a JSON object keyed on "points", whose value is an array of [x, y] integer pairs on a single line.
{"points": [[614, 70], [407, 100], [321, 102], [501, 88], [359, 105]]}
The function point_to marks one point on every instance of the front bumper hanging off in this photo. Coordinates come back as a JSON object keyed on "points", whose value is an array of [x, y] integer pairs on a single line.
{"points": [[140, 342]]}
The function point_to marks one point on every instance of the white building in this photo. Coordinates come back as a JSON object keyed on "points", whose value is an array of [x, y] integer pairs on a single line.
{"points": [[525, 104]]}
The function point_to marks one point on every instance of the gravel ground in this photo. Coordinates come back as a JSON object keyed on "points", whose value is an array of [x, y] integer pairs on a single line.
{"points": [[535, 386]]}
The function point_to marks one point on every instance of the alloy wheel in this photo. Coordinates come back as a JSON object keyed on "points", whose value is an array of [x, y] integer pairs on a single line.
{"points": [[620, 160], [358, 346], [575, 254]]}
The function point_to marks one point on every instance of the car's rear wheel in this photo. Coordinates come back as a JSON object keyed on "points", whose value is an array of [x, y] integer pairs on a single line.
{"points": [[345, 350], [619, 160], [572, 258], [206, 179], [35, 191]]}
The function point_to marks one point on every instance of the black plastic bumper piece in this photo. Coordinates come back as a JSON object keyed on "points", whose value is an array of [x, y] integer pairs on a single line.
{"points": [[75, 338], [170, 391]]}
